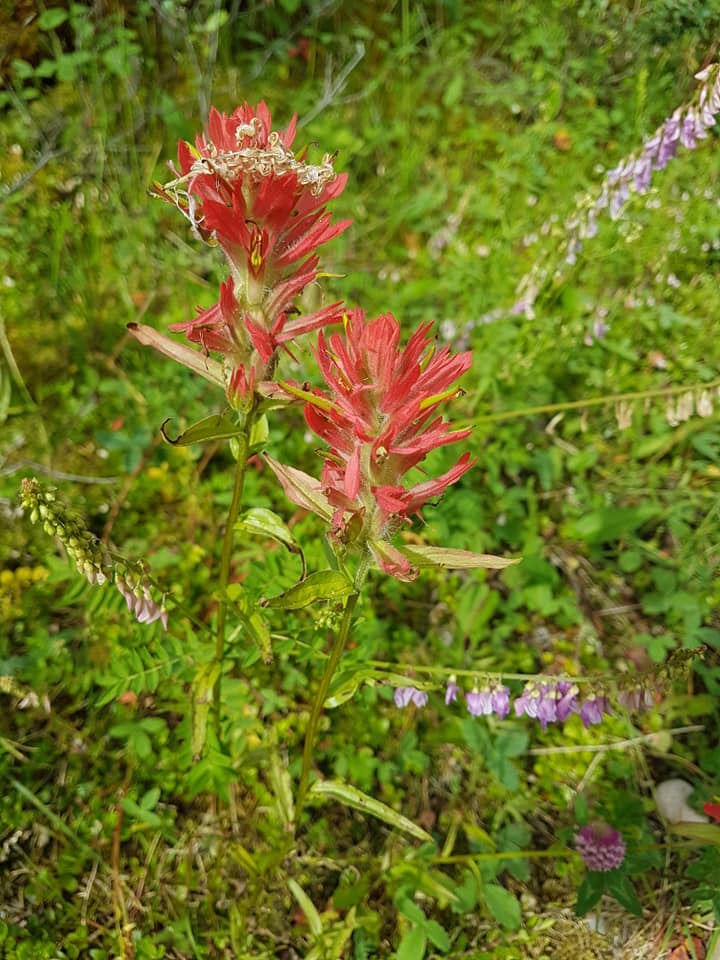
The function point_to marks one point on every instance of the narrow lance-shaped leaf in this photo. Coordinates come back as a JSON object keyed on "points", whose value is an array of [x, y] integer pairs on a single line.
{"points": [[704, 833], [317, 401], [214, 427], [251, 620], [352, 797], [282, 788], [262, 522], [450, 559], [307, 906], [325, 585], [193, 359], [202, 688]]}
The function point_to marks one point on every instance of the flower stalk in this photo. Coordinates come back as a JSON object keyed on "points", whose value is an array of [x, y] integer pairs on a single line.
{"points": [[242, 451], [319, 699]]}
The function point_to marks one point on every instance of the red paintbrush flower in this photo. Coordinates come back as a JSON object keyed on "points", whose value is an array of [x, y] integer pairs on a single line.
{"points": [[378, 418], [243, 188], [712, 810]]}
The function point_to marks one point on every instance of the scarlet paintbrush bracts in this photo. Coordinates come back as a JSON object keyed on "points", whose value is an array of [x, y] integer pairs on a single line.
{"points": [[378, 419], [241, 187]]}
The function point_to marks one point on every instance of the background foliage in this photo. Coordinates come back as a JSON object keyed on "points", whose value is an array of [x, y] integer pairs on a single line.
{"points": [[468, 131]]}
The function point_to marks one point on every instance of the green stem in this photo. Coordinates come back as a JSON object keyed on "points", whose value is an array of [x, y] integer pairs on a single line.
{"points": [[243, 445], [319, 700]]}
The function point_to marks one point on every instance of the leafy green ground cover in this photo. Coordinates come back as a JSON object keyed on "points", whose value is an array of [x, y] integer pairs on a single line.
{"points": [[469, 132]]}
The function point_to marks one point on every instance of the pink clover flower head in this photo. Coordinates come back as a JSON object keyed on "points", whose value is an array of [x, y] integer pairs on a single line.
{"points": [[404, 696], [451, 691], [380, 418], [601, 847]]}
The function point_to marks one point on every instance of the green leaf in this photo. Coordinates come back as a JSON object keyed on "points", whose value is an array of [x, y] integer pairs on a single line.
{"points": [[282, 788], [702, 832], [322, 403], [52, 19], [611, 523], [264, 523], [515, 838], [138, 812], [202, 688], [4, 394], [307, 907], [589, 892], [150, 799], [251, 619], [412, 946], [450, 559], [619, 886], [350, 896], [466, 894], [259, 434], [216, 20], [409, 909], [437, 935], [324, 585], [352, 797], [214, 427], [503, 905], [581, 810]]}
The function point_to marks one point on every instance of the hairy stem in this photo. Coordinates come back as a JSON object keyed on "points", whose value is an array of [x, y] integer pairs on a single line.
{"points": [[319, 700], [243, 445]]}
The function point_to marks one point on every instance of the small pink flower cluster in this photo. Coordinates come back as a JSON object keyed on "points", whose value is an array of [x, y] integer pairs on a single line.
{"points": [[601, 847], [687, 125], [546, 701], [140, 602]]}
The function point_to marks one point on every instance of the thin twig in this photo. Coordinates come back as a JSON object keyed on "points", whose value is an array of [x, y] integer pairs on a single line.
{"points": [[593, 402], [25, 178], [332, 87], [54, 474], [617, 745]]}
